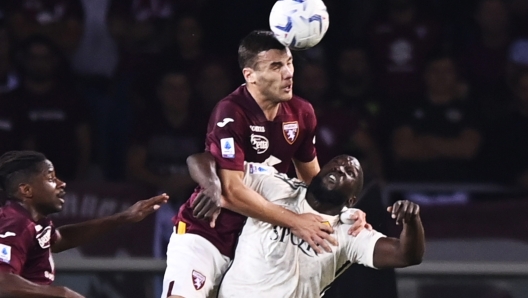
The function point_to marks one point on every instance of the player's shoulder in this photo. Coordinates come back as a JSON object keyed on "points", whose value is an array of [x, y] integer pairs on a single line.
{"points": [[13, 222], [300, 104], [235, 99]]}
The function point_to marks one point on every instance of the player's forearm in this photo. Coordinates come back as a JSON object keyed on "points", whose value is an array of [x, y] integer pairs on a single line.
{"points": [[12, 285], [251, 204], [412, 242], [202, 168], [78, 234]]}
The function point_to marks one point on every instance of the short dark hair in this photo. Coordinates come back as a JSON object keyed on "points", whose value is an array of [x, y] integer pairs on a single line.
{"points": [[254, 43], [17, 167]]}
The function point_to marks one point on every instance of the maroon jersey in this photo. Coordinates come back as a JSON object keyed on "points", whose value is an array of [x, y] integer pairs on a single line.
{"points": [[25, 245], [238, 131]]}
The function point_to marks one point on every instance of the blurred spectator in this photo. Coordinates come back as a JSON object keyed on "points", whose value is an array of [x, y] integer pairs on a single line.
{"points": [[214, 82], [436, 139], [97, 54], [165, 135], [54, 118], [339, 129], [59, 20], [10, 112], [185, 49], [354, 84], [9, 79], [505, 159], [517, 60], [138, 27], [484, 59], [400, 44], [519, 16]]}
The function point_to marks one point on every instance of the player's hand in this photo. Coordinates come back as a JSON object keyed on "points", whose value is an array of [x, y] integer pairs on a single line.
{"points": [[313, 229], [144, 208], [70, 294], [404, 211], [207, 204], [360, 222]]}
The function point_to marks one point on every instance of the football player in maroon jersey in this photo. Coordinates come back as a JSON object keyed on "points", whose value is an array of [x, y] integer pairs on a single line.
{"points": [[261, 121], [27, 235]]}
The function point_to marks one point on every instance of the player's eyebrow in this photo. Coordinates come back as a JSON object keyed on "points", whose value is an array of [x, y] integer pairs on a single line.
{"points": [[276, 63]]}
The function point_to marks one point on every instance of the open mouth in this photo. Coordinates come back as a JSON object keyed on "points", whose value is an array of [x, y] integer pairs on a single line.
{"points": [[332, 178], [61, 197]]}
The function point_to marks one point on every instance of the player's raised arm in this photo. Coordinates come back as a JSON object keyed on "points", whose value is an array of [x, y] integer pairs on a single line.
{"points": [[409, 248], [12, 285], [73, 235]]}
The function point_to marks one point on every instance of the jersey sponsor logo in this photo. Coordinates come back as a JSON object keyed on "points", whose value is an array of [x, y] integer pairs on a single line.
{"points": [[44, 237], [227, 146], [290, 131], [284, 235], [257, 128], [5, 253], [198, 280], [260, 143], [225, 122], [7, 234]]}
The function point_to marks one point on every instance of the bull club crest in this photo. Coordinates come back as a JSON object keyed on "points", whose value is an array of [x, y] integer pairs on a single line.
{"points": [[290, 131], [198, 280]]}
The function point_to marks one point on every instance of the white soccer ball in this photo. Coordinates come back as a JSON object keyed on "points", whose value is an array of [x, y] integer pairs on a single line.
{"points": [[299, 24]]}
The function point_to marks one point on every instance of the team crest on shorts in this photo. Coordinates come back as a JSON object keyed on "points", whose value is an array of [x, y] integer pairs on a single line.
{"points": [[290, 131], [198, 280]]}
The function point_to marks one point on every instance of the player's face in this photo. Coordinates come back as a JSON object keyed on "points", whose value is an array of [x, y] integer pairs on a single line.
{"points": [[273, 75], [48, 191], [341, 174]]}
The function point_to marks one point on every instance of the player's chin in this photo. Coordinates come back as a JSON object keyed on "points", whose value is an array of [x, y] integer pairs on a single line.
{"points": [[286, 96]]}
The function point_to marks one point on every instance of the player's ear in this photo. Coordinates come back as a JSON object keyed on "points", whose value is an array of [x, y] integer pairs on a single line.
{"points": [[25, 189], [249, 75]]}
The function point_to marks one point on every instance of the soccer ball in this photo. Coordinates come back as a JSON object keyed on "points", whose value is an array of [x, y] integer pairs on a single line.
{"points": [[299, 24]]}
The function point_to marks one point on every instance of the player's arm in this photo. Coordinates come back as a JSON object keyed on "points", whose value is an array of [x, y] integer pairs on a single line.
{"points": [[12, 285], [202, 168], [70, 236], [306, 170], [239, 198], [409, 248]]}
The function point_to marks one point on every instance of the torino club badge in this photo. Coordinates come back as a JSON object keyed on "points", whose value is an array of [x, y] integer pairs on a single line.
{"points": [[290, 131], [198, 280]]}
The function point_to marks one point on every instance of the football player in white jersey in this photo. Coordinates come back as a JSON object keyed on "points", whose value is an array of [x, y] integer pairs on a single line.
{"points": [[270, 261]]}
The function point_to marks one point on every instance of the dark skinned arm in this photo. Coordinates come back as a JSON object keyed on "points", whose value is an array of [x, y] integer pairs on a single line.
{"points": [[70, 236], [409, 249]]}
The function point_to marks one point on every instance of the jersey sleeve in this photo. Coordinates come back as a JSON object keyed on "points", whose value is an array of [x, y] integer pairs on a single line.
{"points": [[14, 247], [306, 151], [227, 131], [360, 249]]}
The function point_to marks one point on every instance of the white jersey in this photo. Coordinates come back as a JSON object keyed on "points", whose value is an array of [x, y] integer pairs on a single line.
{"points": [[271, 262]]}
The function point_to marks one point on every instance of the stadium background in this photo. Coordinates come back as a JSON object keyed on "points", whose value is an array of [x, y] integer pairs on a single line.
{"points": [[117, 93]]}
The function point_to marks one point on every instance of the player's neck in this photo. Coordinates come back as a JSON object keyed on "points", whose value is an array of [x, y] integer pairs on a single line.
{"points": [[269, 107], [35, 215], [321, 208]]}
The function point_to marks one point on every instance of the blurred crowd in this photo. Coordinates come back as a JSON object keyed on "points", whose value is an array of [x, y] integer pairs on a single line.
{"points": [[121, 90]]}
